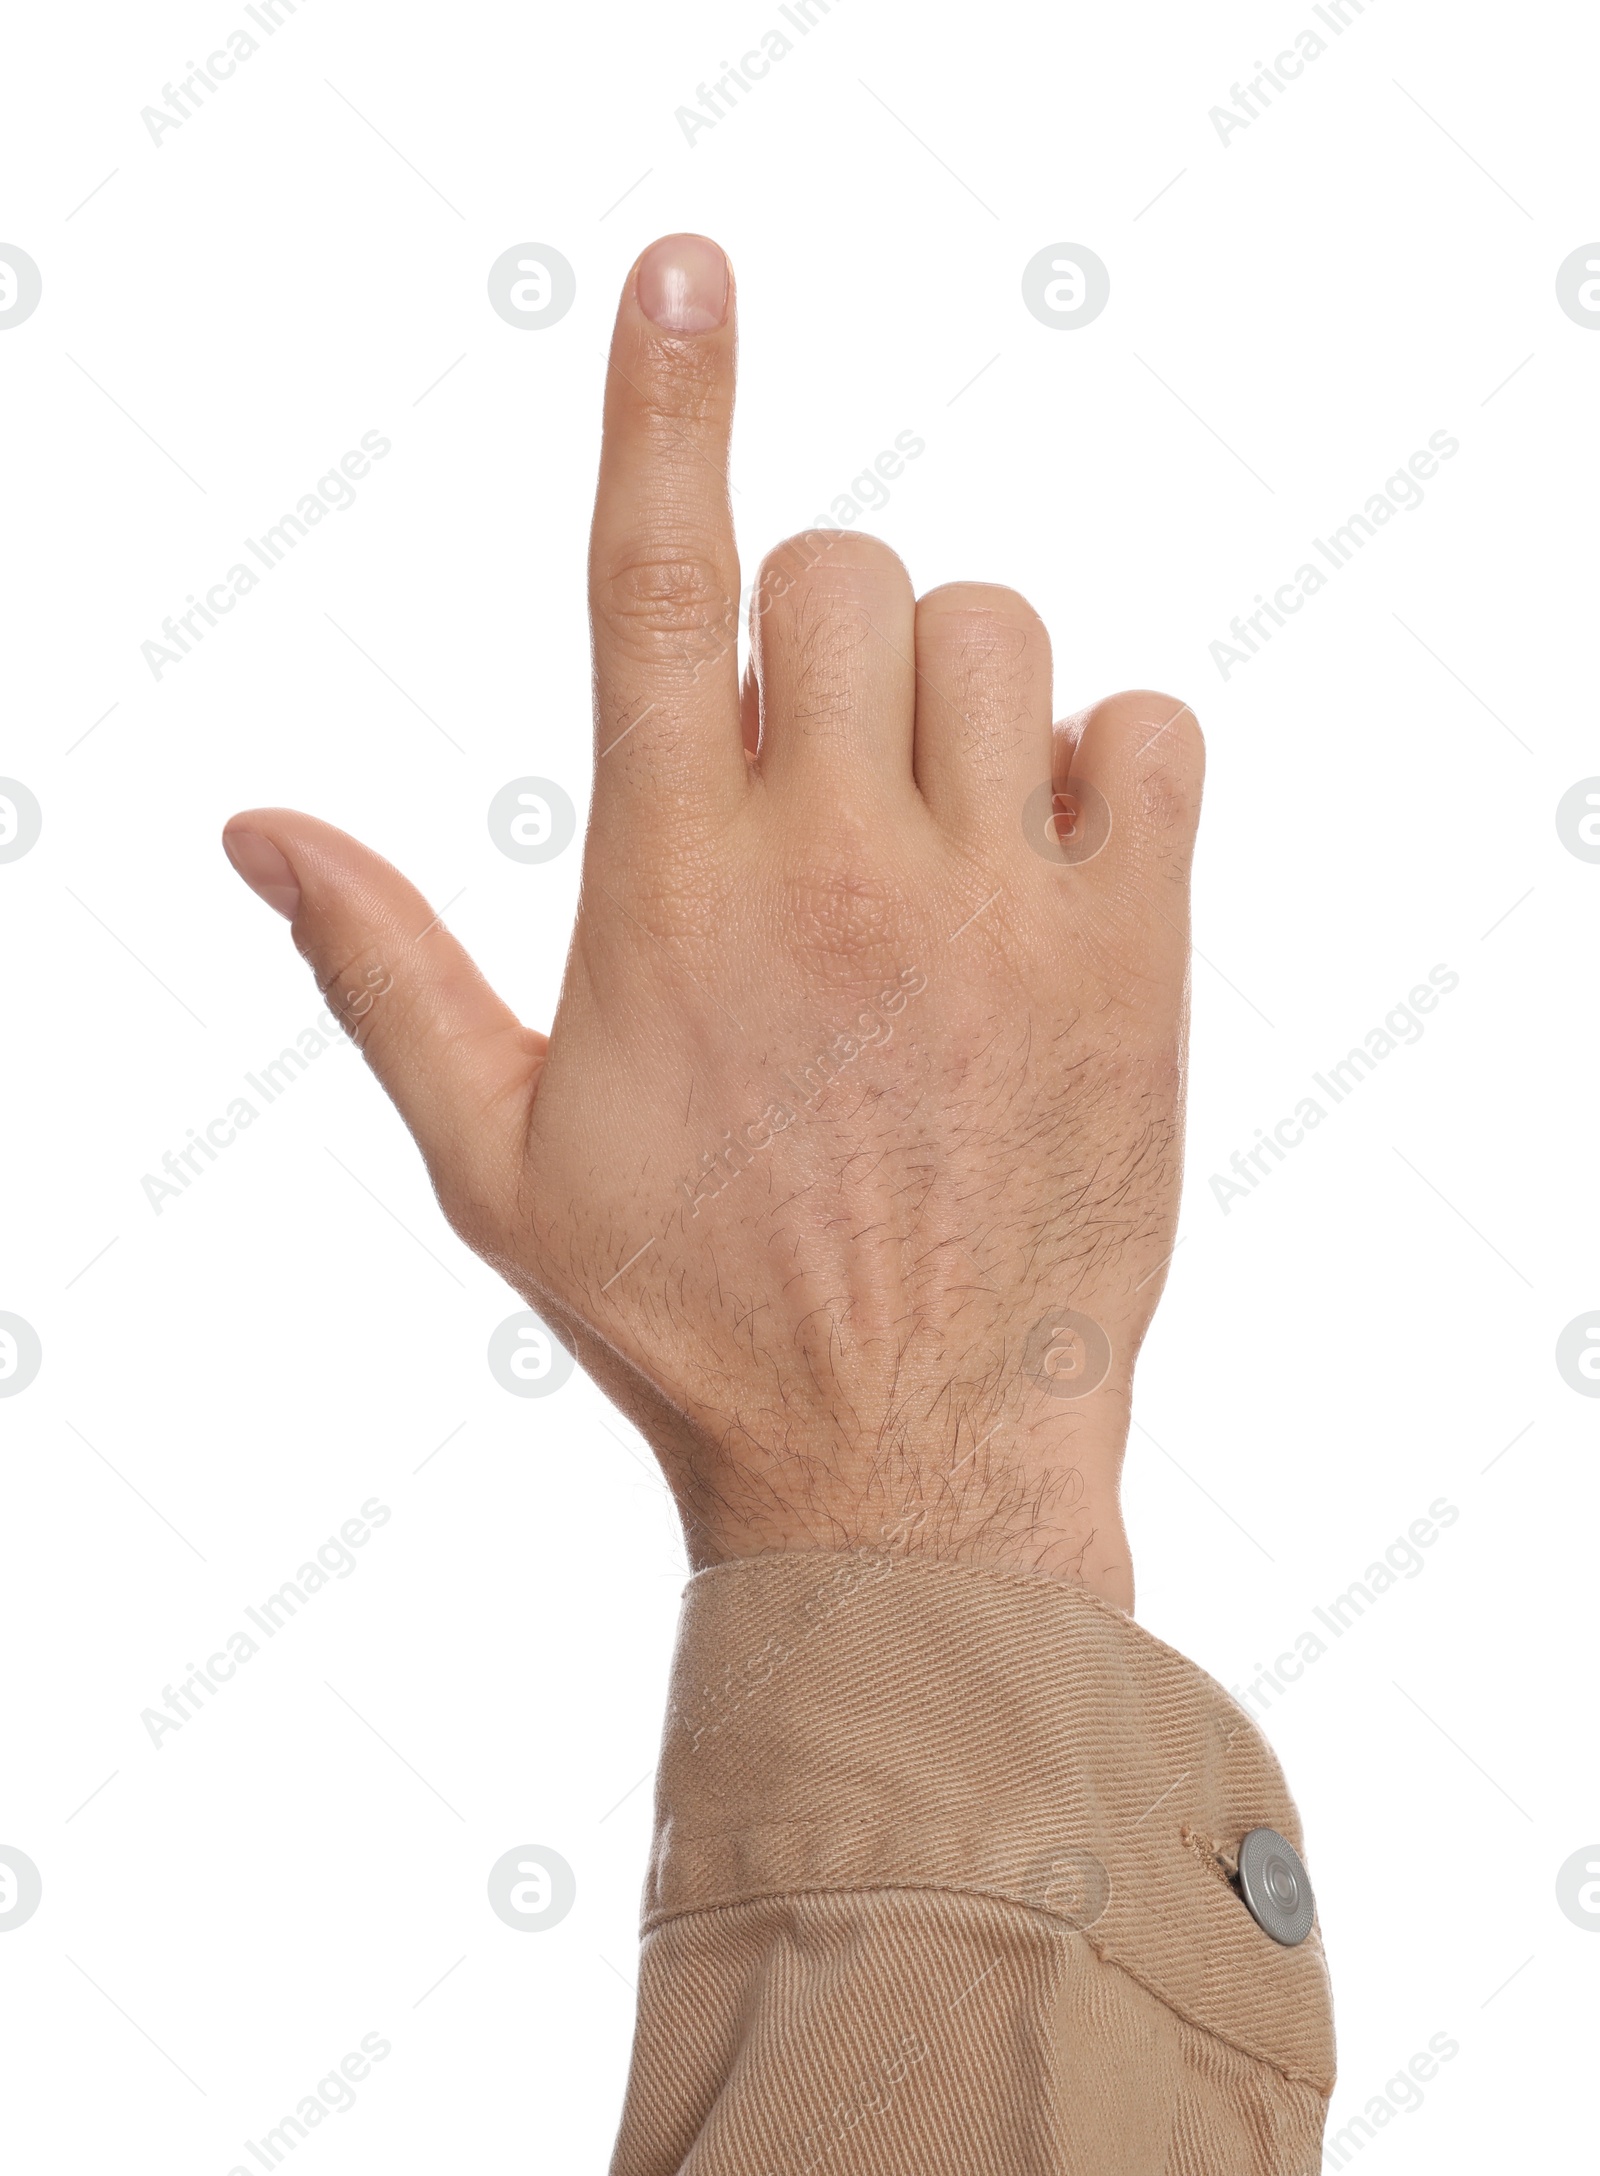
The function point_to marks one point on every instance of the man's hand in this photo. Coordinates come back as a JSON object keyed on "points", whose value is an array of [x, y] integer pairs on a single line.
{"points": [[850, 1166]]}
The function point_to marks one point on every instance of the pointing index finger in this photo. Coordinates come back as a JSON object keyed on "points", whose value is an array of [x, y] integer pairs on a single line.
{"points": [[663, 568]]}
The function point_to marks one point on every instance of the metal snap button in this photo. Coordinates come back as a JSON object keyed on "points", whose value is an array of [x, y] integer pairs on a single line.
{"points": [[1275, 1887]]}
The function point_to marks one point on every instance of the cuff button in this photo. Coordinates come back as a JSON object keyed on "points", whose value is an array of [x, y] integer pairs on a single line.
{"points": [[1275, 1887]]}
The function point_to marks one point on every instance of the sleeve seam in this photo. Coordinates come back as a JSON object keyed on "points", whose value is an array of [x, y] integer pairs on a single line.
{"points": [[656, 1921]]}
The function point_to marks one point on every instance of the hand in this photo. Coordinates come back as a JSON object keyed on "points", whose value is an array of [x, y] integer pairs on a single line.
{"points": [[850, 1166]]}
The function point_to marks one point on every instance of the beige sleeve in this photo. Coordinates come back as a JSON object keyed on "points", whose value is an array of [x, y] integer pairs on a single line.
{"points": [[941, 1884]]}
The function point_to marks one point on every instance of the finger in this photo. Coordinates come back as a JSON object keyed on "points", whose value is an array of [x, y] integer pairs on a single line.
{"points": [[458, 1064], [983, 705], [663, 571], [1129, 773], [834, 643]]}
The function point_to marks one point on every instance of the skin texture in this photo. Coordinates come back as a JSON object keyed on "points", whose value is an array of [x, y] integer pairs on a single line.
{"points": [[860, 1082]]}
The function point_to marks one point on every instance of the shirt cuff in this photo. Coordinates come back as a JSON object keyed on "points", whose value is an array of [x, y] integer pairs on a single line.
{"points": [[870, 1722]]}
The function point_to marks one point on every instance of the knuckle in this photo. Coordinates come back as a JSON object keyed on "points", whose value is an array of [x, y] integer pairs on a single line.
{"points": [[1167, 717], [1153, 706], [660, 595], [825, 604], [842, 912], [992, 630], [1170, 752], [842, 917], [982, 607], [689, 901], [822, 566], [850, 549], [1167, 767]]}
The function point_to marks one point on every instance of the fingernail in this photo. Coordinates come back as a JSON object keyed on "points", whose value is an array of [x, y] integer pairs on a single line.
{"points": [[682, 283], [264, 869]]}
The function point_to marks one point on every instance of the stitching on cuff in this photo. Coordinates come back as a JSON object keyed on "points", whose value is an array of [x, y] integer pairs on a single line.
{"points": [[658, 1922], [1214, 1857]]}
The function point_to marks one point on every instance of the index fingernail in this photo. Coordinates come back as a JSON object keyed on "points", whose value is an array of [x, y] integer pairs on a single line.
{"points": [[264, 869], [682, 283]]}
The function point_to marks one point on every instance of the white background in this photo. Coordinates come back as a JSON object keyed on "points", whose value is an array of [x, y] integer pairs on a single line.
{"points": [[1368, 263]]}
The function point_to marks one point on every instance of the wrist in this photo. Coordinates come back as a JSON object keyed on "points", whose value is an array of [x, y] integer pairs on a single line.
{"points": [[1063, 1521]]}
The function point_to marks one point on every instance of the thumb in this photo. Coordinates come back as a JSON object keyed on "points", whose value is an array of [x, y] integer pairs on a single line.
{"points": [[458, 1064]]}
